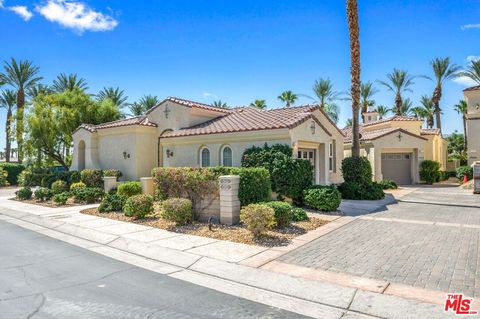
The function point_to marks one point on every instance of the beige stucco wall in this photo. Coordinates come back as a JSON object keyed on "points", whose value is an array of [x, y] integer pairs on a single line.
{"points": [[473, 125], [91, 149], [436, 150], [410, 126]]}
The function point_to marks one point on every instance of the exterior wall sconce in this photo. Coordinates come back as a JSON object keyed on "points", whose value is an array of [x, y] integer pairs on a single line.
{"points": [[126, 155], [169, 153], [312, 127]]}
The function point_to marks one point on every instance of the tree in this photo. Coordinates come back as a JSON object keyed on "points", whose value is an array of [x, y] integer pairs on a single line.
{"points": [[220, 104], [69, 82], [382, 111], [406, 108], [472, 71], [7, 101], [367, 91], [349, 123], [426, 110], [288, 97], [54, 118], [259, 104], [354, 32], [462, 108], [443, 70], [456, 148], [398, 82], [22, 75], [37, 89], [136, 109], [115, 95], [333, 111], [323, 89], [148, 101]]}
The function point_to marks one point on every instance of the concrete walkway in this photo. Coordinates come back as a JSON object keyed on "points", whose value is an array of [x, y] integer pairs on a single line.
{"points": [[224, 266]]}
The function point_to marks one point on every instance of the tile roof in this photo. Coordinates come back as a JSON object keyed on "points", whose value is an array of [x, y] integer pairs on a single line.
{"points": [[430, 131], [393, 118], [473, 88], [137, 120], [372, 135], [250, 119], [194, 104]]}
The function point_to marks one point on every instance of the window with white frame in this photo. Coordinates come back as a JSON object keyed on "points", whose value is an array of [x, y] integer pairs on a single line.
{"points": [[227, 156], [330, 157], [205, 157]]}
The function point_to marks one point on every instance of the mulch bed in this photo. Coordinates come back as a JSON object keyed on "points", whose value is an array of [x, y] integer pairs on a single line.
{"points": [[236, 233]]}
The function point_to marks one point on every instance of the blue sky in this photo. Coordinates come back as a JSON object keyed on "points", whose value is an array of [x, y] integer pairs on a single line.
{"points": [[239, 51]]}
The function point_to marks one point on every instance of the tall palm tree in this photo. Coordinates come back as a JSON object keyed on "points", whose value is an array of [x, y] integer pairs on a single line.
{"points": [[220, 104], [261, 104], [443, 70], [367, 91], [22, 75], [7, 101], [116, 95], [398, 82], [406, 108], [136, 109], [462, 108], [148, 101], [382, 111], [354, 32], [472, 71], [426, 110], [288, 97], [69, 82], [323, 89]]}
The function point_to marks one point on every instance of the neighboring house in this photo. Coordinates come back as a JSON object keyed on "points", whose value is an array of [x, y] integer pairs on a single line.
{"points": [[472, 97], [182, 133], [396, 146]]}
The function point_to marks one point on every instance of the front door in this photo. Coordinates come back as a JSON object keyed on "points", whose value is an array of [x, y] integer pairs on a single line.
{"points": [[309, 155]]}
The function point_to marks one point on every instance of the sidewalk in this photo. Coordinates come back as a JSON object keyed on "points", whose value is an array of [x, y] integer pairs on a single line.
{"points": [[221, 265]]}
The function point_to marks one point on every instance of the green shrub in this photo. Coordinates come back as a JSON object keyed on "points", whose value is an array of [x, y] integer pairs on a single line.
{"points": [[129, 188], [298, 214], [24, 193], [357, 191], [112, 172], [388, 184], [112, 203], [257, 218], [62, 198], [138, 206], [13, 170], [76, 186], [178, 210], [45, 178], [357, 169], [464, 170], [282, 212], [430, 171], [324, 198], [88, 195], [3, 177], [92, 177], [255, 185], [59, 187], [264, 156], [42, 194]]}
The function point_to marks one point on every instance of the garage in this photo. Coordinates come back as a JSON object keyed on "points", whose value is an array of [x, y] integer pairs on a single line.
{"points": [[397, 167]]}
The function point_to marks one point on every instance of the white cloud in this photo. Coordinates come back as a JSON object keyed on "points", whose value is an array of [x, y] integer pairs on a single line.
{"points": [[470, 26], [76, 15], [465, 81], [208, 94], [22, 11], [1, 3], [471, 58]]}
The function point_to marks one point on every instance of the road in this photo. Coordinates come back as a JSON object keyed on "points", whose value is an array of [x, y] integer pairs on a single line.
{"points": [[41, 277]]}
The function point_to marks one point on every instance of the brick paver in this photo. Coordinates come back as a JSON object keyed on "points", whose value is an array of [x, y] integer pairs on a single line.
{"points": [[426, 256]]}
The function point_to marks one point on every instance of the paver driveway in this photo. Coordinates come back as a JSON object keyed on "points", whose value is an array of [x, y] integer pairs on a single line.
{"points": [[429, 239]]}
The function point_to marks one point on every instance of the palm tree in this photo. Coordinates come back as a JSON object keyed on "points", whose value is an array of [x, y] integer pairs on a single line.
{"points": [[7, 101], [406, 108], [148, 101], [399, 81], [288, 97], [115, 95], [443, 70], [35, 90], [382, 111], [367, 91], [462, 108], [426, 110], [22, 75], [348, 123], [69, 82], [333, 111], [353, 30], [323, 89], [472, 71], [259, 104], [136, 109], [220, 104]]}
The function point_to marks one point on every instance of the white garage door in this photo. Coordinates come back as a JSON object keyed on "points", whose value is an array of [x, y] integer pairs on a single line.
{"points": [[397, 167]]}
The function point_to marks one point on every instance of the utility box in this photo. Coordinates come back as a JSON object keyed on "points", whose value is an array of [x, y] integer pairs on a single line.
{"points": [[476, 178]]}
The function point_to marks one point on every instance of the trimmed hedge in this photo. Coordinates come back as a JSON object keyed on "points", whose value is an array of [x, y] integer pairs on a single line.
{"points": [[388, 184], [24, 193], [13, 170], [92, 177], [324, 198], [357, 169], [42, 194], [44, 178], [59, 187], [264, 156], [138, 206], [178, 210], [62, 198], [298, 214], [88, 195], [112, 203], [282, 212], [257, 218], [369, 191], [129, 188], [430, 171], [3, 177]]}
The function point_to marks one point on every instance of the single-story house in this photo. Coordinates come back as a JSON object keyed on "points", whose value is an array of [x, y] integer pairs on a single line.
{"points": [[183, 133], [396, 146], [472, 97]]}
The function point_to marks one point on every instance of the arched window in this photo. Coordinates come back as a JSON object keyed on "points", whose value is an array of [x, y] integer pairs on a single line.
{"points": [[205, 157], [227, 156]]}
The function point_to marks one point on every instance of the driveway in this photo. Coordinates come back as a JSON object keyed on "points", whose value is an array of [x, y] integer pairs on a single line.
{"points": [[429, 239]]}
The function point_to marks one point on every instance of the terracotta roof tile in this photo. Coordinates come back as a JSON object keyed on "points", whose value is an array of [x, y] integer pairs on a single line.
{"points": [[138, 120], [393, 118], [192, 104], [372, 135], [473, 88], [430, 131]]}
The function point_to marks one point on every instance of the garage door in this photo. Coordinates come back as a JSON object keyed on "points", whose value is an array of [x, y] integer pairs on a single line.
{"points": [[397, 167]]}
